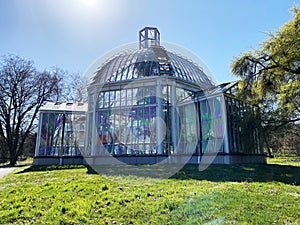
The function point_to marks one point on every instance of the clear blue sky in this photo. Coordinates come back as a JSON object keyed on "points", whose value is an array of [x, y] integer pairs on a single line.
{"points": [[71, 34]]}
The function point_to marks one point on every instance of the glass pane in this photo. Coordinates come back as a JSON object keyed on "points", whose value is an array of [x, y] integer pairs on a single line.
{"points": [[106, 99], [112, 96], [129, 97], [134, 96], [100, 100], [123, 97], [152, 95], [140, 96], [117, 99]]}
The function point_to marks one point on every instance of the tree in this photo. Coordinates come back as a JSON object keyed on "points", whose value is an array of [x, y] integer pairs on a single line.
{"points": [[74, 87], [270, 76], [286, 140], [23, 90], [3, 151]]}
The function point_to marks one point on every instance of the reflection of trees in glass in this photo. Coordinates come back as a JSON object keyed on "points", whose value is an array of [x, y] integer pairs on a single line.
{"points": [[50, 133], [58, 134]]}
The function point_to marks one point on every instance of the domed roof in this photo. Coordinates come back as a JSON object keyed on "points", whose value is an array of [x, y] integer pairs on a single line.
{"points": [[149, 61]]}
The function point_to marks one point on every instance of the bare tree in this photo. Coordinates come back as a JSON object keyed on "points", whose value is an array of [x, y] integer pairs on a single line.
{"points": [[74, 87], [3, 151], [23, 90], [81, 94]]}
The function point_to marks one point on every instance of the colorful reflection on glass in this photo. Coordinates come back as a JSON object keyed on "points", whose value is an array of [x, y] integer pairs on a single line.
{"points": [[127, 127], [61, 134], [212, 124]]}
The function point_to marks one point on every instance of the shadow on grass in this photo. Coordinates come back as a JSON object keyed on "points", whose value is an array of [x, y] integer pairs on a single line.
{"points": [[244, 172], [215, 173], [50, 168], [16, 166]]}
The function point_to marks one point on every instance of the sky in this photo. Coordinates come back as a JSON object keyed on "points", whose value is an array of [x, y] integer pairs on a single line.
{"points": [[72, 34]]}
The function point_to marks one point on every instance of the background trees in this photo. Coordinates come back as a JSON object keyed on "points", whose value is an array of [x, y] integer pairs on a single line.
{"points": [[73, 87], [23, 90], [270, 78]]}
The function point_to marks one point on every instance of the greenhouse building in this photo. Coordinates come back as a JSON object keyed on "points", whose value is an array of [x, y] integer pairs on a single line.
{"points": [[150, 105]]}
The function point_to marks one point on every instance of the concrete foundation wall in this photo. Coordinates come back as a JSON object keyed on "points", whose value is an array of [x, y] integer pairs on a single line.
{"points": [[176, 159], [46, 161]]}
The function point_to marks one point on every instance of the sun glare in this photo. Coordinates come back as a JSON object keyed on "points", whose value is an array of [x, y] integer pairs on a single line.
{"points": [[89, 3], [103, 7]]}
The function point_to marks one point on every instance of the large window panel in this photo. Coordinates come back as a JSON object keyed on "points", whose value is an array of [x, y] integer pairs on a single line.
{"points": [[129, 127], [61, 134]]}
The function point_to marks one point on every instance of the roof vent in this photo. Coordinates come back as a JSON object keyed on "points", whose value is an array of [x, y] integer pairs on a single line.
{"points": [[148, 37]]}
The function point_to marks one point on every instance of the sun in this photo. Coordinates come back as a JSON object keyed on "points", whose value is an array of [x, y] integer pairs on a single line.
{"points": [[89, 2]]}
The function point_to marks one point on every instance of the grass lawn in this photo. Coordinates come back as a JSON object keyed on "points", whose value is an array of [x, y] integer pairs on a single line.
{"points": [[221, 194]]}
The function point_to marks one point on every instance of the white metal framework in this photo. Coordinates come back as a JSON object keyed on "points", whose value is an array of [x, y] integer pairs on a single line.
{"points": [[148, 103], [61, 129], [144, 102], [150, 62]]}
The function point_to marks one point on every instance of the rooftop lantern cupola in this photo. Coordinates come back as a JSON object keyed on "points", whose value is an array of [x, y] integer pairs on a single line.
{"points": [[148, 37]]}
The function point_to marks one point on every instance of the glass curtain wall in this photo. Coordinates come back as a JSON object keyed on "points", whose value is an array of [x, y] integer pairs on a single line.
{"points": [[212, 130], [61, 134], [243, 127], [125, 122], [187, 120]]}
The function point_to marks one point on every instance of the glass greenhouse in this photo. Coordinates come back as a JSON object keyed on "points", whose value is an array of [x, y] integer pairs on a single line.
{"points": [[151, 105], [61, 132]]}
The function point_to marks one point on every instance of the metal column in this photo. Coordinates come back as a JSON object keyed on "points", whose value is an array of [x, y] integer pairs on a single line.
{"points": [[159, 119], [225, 125], [38, 141], [175, 127]]}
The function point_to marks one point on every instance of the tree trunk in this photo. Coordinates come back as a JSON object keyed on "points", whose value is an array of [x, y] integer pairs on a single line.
{"points": [[13, 161], [268, 146], [13, 156]]}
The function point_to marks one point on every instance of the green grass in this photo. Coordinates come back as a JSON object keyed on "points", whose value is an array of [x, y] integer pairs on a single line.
{"points": [[20, 162], [290, 161], [221, 194]]}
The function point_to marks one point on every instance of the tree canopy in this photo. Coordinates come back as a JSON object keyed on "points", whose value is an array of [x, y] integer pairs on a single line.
{"points": [[23, 90], [270, 75]]}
